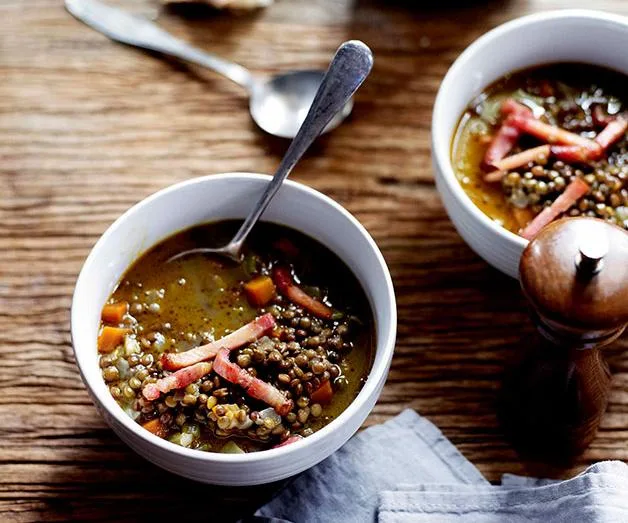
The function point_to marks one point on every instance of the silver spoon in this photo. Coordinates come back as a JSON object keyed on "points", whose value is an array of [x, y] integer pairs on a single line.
{"points": [[348, 69], [277, 104]]}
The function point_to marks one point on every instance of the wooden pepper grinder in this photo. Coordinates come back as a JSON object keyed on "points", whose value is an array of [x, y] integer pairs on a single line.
{"points": [[575, 275]]}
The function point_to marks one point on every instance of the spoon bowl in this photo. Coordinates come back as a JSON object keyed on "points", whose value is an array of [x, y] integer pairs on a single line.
{"points": [[280, 104]]}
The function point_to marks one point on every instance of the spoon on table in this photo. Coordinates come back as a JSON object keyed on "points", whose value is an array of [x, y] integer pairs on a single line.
{"points": [[278, 104], [348, 69]]}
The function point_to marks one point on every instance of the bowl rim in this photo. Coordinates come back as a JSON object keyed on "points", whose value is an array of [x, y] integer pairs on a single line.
{"points": [[442, 151], [385, 333]]}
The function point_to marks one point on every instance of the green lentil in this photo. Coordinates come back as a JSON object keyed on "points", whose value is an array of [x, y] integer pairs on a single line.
{"points": [[192, 389], [111, 373], [189, 400], [128, 392], [115, 392], [318, 367], [244, 360]]}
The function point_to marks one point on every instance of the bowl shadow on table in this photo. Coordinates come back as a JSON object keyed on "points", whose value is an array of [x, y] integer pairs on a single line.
{"points": [[123, 487]]}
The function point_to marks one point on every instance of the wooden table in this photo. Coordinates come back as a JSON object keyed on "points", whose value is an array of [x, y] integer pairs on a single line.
{"points": [[89, 127]]}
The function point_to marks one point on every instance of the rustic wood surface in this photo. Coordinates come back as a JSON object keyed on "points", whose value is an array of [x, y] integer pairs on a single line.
{"points": [[89, 127]]}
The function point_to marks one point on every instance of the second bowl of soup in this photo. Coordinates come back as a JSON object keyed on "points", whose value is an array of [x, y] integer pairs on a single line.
{"points": [[529, 125]]}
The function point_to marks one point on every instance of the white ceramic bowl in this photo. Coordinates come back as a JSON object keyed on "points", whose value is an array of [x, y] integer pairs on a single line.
{"points": [[584, 36], [214, 198]]}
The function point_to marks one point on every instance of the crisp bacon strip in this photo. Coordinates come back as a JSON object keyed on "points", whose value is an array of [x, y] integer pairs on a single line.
{"points": [[502, 143], [244, 335], [572, 193], [254, 387], [614, 131], [600, 117], [552, 134], [177, 380], [287, 287], [508, 134], [572, 153], [292, 439], [515, 161]]}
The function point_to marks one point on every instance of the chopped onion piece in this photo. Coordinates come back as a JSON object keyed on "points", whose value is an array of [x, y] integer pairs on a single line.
{"points": [[231, 447]]}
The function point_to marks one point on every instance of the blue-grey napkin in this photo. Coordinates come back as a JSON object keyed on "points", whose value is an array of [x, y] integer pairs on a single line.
{"points": [[406, 471], [598, 495], [346, 486]]}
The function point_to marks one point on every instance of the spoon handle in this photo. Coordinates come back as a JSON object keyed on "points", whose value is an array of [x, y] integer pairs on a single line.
{"points": [[348, 70], [140, 32]]}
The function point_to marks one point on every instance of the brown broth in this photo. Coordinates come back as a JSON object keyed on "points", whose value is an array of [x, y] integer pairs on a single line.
{"points": [[584, 86], [196, 299]]}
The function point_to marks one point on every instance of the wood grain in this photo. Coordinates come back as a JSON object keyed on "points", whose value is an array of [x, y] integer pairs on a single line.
{"points": [[89, 127]]}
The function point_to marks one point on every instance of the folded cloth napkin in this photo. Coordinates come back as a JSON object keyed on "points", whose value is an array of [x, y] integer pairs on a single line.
{"points": [[600, 494], [346, 486], [406, 471]]}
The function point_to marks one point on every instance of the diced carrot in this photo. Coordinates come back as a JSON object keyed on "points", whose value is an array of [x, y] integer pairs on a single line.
{"points": [[517, 160], [114, 312], [110, 338], [323, 394], [260, 290], [572, 193], [156, 427]]}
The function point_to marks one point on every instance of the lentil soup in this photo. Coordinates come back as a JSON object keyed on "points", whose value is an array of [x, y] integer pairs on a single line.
{"points": [[546, 142], [231, 358]]}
